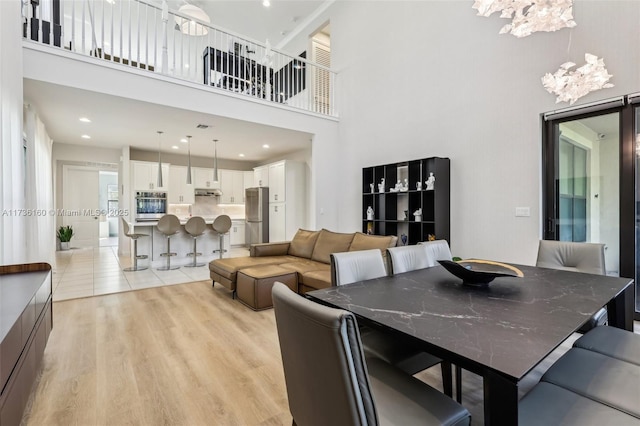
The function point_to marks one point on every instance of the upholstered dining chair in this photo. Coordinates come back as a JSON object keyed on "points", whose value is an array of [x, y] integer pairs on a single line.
{"points": [[437, 250], [353, 266], [331, 382], [578, 257], [408, 258]]}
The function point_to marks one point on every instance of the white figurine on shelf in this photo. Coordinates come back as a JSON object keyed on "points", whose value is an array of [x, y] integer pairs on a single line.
{"points": [[381, 186], [405, 186], [419, 186], [418, 214], [371, 186], [430, 182], [369, 213]]}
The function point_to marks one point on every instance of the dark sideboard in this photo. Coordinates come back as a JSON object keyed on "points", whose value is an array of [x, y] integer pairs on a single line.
{"points": [[26, 319]]}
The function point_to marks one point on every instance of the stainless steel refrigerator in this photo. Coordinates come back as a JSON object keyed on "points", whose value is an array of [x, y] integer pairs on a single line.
{"points": [[256, 204]]}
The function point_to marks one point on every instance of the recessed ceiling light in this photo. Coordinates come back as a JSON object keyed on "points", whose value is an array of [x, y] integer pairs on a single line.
{"points": [[85, 137], [175, 147], [85, 120], [240, 155], [266, 3], [265, 146], [111, 1], [186, 65], [183, 140]]}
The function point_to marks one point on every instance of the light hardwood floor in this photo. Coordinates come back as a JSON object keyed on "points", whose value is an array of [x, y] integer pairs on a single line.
{"points": [[184, 354]]}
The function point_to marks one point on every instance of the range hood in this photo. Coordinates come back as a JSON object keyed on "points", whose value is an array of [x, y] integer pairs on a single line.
{"points": [[208, 192]]}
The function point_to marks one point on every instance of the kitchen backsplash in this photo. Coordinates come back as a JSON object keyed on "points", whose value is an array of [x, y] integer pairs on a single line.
{"points": [[207, 207]]}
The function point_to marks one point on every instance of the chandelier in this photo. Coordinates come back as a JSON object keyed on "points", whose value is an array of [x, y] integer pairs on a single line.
{"points": [[529, 16], [570, 85]]}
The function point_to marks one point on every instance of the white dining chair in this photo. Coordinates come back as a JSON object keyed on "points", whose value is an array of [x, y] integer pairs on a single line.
{"points": [[437, 250], [408, 258]]}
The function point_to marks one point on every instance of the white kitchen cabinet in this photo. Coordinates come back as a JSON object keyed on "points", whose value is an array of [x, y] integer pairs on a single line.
{"points": [[203, 178], [237, 232], [261, 176], [277, 185], [179, 191], [247, 182], [277, 222], [145, 176], [232, 186]]}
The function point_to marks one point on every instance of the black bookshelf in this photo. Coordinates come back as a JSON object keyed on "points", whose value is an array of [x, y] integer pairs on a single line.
{"points": [[393, 211]]}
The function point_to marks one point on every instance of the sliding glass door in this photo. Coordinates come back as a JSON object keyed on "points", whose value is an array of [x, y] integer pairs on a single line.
{"points": [[591, 184]]}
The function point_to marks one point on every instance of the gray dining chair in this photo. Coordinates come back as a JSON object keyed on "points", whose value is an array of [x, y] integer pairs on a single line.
{"points": [[330, 380], [437, 250], [407, 258], [577, 257], [353, 266]]}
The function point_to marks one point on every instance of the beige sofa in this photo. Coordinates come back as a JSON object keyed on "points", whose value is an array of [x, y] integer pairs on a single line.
{"points": [[307, 254]]}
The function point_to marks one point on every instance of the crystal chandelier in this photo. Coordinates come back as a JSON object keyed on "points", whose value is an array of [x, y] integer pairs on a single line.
{"points": [[569, 86], [529, 16]]}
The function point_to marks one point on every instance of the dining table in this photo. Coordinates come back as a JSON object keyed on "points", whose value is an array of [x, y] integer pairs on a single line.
{"points": [[500, 330]]}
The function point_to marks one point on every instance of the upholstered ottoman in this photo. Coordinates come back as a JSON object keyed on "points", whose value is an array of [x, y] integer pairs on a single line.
{"points": [[254, 284]]}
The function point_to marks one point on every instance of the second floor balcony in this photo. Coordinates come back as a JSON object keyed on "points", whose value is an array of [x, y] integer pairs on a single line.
{"points": [[152, 37]]}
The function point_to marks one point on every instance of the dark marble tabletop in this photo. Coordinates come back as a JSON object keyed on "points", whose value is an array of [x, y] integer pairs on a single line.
{"points": [[508, 326]]}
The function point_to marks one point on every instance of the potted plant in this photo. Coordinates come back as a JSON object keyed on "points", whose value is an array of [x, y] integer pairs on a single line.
{"points": [[64, 234]]}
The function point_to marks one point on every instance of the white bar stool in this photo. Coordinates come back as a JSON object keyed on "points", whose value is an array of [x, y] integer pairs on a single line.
{"points": [[168, 225], [134, 236], [221, 225], [195, 227]]}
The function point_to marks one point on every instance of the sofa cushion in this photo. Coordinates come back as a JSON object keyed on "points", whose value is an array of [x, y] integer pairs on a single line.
{"points": [[303, 266], [303, 243], [367, 242], [330, 242], [316, 280], [229, 267]]}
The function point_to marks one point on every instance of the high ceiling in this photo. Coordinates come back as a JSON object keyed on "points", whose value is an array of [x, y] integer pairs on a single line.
{"points": [[118, 122], [253, 20]]}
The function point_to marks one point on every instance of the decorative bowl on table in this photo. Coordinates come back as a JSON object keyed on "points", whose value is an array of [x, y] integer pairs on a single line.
{"points": [[479, 272]]}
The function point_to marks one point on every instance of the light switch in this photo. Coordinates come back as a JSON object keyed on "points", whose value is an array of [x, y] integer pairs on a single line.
{"points": [[523, 212]]}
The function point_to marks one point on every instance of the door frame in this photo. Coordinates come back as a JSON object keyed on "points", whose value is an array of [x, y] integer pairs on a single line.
{"points": [[627, 172], [65, 192]]}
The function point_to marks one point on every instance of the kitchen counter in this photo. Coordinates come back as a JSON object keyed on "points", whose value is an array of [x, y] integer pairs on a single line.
{"points": [[181, 242], [183, 220]]}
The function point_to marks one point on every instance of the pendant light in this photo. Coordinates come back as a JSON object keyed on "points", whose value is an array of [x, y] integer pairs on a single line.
{"points": [[159, 182], [189, 162], [215, 160]]}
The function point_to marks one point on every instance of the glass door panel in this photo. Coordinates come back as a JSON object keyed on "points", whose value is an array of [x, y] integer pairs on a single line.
{"points": [[588, 184]]}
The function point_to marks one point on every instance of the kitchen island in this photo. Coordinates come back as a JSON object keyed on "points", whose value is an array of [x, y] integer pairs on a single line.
{"points": [[181, 243]]}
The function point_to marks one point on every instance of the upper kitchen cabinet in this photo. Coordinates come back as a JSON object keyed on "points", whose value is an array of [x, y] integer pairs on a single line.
{"points": [[203, 178], [145, 176], [248, 179], [261, 176], [232, 186], [179, 191], [277, 188]]}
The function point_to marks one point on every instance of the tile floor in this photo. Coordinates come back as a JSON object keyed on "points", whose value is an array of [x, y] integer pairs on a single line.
{"points": [[85, 272]]}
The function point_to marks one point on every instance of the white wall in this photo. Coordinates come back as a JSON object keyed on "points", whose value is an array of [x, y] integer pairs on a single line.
{"points": [[420, 79], [12, 188], [99, 158]]}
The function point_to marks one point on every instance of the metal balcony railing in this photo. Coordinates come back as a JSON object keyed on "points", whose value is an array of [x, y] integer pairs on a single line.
{"points": [[151, 37]]}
